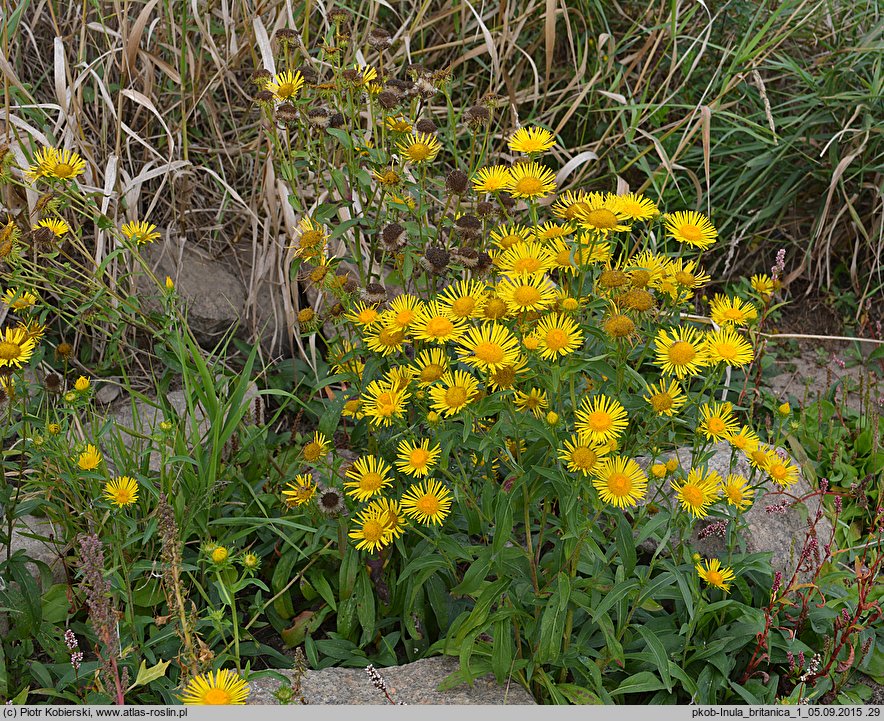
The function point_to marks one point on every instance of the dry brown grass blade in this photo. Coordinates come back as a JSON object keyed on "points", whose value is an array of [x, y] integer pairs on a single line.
{"points": [[135, 33], [549, 34]]}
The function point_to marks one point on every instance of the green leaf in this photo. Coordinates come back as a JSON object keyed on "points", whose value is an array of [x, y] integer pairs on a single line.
{"points": [[146, 675], [617, 593], [324, 589], [626, 545], [502, 651], [658, 650], [552, 623], [578, 695], [365, 606], [474, 578], [641, 682], [745, 695], [342, 136]]}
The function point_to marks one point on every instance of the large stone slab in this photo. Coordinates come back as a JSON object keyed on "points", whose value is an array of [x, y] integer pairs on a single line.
{"points": [[40, 541], [413, 683]]}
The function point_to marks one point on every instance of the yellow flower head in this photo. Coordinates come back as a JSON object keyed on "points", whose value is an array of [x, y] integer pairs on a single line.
{"points": [[435, 324], [19, 300], [505, 377], [717, 421], [784, 409], [392, 514], [637, 207], [121, 491], [382, 403], [530, 180], [728, 347], [398, 124], [57, 164], [368, 476], [600, 418], [745, 439], [89, 459], [363, 314], [505, 237], [531, 141], [464, 299], [691, 228], [140, 232], [715, 574], [371, 531], [224, 687], [699, 491], [420, 148], [316, 448], [286, 85], [82, 384], [527, 293], [492, 179], [620, 481], [428, 502], [726, 311], [600, 215], [680, 351], [534, 400], [665, 399], [417, 459], [455, 391], [300, 491], [737, 491], [58, 226], [581, 455], [431, 366], [558, 335], [781, 470], [570, 204], [763, 285], [489, 347]]}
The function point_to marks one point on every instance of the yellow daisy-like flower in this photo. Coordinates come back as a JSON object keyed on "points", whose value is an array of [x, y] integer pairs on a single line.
{"points": [[681, 279], [55, 163], [781, 470], [224, 687], [300, 491], [717, 421], [691, 227], [737, 491], [551, 231], [495, 308], [58, 226], [371, 531], [505, 377], [526, 293], [525, 259], [417, 459], [600, 215], [363, 314], [89, 459], [728, 347], [82, 384], [763, 285], [570, 204], [456, 390], [311, 240], [726, 311], [392, 514], [398, 124], [403, 310], [507, 236], [385, 339], [698, 491], [489, 347], [19, 299], [745, 439], [121, 491], [566, 259], [382, 403], [464, 299], [637, 207], [368, 476], [399, 377], [559, 335], [680, 351], [428, 502], [534, 400], [666, 400], [140, 232], [530, 180], [760, 456], [316, 448], [492, 179], [435, 324], [600, 419], [34, 330], [420, 148], [715, 574], [620, 481], [581, 455], [366, 74], [431, 365], [286, 85], [531, 140]]}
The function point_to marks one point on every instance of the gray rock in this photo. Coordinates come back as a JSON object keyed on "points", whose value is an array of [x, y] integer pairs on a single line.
{"points": [[413, 683], [214, 298], [48, 551]]}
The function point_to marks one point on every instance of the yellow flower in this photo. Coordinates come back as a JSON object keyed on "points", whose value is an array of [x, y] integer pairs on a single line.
{"points": [[54, 428], [620, 481], [600, 419], [637, 207], [717, 421], [464, 299], [698, 491], [403, 311], [489, 347], [672, 465], [737, 492], [551, 231], [784, 410], [600, 215], [431, 366], [728, 347], [82, 384], [428, 502], [552, 418], [781, 470], [300, 491], [372, 531], [530, 180], [55, 163], [170, 284], [527, 292], [316, 448], [525, 259], [286, 85], [726, 311], [763, 285], [581, 455], [365, 73], [381, 402], [506, 236], [419, 147], [691, 228], [89, 459], [666, 400], [250, 561], [434, 323], [140, 232], [363, 314], [506, 376], [558, 335], [56, 225], [121, 491], [455, 392], [392, 515], [658, 470], [398, 124], [221, 688], [531, 140], [368, 476], [745, 439], [680, 351], [534, 400], [388, 177], [715, 574], [760, 456], [19, 299], [570, 204], [491, 179], [385, 340], [417, 459]]}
